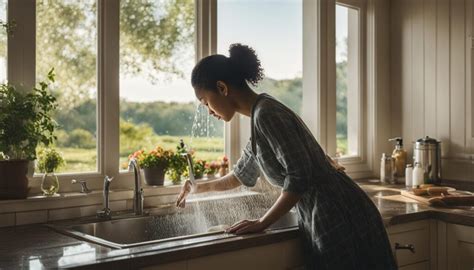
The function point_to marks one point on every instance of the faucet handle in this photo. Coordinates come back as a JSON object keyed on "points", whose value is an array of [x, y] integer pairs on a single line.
{"points": [[104, 213], [83, 184], [107, 181]]}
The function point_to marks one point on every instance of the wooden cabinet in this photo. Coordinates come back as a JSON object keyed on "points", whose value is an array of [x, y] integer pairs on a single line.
{"points": [[415, 235], [437, 245], [282, 255], [460, 247]]}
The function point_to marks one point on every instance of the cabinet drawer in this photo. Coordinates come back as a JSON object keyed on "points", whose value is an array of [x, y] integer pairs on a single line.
{"points": [[418, 236]]}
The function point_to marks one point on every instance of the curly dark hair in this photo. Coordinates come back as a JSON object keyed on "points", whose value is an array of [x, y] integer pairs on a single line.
{"points": [[241, 67]]}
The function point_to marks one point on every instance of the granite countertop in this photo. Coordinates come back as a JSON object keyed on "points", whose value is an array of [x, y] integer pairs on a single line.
{"points": [[34, 246]]}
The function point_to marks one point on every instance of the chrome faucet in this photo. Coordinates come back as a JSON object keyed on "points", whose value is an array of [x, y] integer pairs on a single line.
{"points": [[138, 192], [105, 213], [189, 158], [83, 183]]}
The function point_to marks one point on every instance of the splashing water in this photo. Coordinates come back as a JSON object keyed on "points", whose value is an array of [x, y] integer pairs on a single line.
{"points": [[205, 210]]}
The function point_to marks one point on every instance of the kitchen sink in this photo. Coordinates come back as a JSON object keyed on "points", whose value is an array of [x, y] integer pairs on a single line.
{"points": [[198, 222]]}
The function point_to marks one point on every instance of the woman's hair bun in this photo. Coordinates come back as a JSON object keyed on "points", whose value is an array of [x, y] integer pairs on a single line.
{"points": [[246, 63]]}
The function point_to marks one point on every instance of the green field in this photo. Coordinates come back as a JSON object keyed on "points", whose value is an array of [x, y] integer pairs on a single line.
{"points": [[85, 160]]}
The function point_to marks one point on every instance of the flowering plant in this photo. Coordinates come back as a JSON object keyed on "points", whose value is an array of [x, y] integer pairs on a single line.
{"points": [[157, 157], [199, 168], [211, 167], [224, 162]]}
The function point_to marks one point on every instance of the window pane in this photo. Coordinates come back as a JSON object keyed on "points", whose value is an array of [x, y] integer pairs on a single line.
{"points": [[262, 28], [157, 101], [66, 39], [347, 80], [3, 41]]}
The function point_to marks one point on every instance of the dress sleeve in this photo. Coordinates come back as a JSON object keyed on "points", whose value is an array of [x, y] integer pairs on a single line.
{"points": [[286, 138], [246, 170]]}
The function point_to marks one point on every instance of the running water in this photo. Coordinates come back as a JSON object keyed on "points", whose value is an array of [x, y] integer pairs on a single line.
{"points": [[210, 209]]}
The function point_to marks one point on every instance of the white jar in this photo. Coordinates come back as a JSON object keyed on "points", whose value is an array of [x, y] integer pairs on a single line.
{"points": [[409, 175], [418, 175]]}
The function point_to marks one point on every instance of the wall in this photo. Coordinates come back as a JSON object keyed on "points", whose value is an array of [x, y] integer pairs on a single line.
{"points": [[431, 71]]}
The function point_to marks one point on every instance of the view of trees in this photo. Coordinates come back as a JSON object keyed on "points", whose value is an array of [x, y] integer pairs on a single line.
{"points": [[154, 38]]}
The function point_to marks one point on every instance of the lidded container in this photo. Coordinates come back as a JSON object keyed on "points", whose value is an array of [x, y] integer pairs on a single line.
{"points": [[427, 152]]}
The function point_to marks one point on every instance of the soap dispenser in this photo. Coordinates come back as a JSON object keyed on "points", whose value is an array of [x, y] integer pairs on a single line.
{"points": [[400, 156]]}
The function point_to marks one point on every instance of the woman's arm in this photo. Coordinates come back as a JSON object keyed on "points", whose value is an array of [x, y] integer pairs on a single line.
{"points": [[284, 203], [228, 181]]}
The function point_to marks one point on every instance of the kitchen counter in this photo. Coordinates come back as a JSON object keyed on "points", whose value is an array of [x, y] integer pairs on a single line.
{"points": [[33, 246]]}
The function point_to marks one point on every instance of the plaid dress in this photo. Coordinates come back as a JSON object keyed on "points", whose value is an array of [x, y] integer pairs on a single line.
{"points": [[341, 227]]}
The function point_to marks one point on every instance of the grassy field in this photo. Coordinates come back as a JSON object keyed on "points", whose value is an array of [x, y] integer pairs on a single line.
{"points": [[85, 160]]}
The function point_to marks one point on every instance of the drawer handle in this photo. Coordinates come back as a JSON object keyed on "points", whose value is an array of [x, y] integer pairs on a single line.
{"points": [[410, 247]]}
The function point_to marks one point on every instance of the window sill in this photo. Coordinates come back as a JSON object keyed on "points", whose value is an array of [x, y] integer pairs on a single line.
{"points": [[77, 199]]}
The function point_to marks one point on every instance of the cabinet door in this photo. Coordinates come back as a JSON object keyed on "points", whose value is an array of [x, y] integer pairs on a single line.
{"points": [[283, 255], [460, 252], [413, 233]]}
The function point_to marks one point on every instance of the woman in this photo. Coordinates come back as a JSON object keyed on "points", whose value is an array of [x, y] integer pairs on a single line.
{"points": [[342, 228]]}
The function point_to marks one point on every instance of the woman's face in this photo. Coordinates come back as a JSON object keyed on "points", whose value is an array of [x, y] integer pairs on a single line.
{"points": [[218, 103]]}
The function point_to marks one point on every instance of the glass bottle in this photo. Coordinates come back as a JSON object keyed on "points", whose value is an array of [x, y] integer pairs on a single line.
{"points": [[409, 176]]}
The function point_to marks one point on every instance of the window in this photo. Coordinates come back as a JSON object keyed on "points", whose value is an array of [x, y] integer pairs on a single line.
{"points": [[263, 29], [144, 56], [348, 81], [66, 40], [157, 102]]}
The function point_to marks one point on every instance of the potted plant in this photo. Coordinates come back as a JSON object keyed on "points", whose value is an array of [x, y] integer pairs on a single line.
{"points": [[199, 167], [49, 160], [210, 169], [25, 122], [154, 164], [177, 165], [223, 166]]}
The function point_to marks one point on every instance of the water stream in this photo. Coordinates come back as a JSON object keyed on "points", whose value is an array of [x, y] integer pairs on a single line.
{"points": [[245, 203]]}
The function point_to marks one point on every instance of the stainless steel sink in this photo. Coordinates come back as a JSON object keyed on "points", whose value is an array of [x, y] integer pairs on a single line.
{"points": [[188, 226]]}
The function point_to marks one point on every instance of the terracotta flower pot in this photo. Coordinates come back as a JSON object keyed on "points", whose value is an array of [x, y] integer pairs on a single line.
{"points": [[13, 180], [154, 176]]}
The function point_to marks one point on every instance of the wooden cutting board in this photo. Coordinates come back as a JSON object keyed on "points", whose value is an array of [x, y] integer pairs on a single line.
{"points": [[448, 200]]}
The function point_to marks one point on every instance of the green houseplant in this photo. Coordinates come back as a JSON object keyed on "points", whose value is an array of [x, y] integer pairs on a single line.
{"points": [[49, 160], [25, 122], [178, 164], [199, 167]]}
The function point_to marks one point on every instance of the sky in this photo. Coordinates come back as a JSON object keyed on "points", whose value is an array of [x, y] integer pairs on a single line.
{"points": [[259, 24]]}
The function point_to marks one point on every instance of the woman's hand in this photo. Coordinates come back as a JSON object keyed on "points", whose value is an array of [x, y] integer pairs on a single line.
{"points": [[247, 226], [185, 190], [335, 164]]}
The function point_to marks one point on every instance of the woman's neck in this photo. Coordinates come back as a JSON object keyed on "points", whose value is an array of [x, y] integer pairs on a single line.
{"points": [[245, 99]]}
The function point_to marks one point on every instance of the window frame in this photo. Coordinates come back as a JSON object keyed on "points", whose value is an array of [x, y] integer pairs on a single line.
{"points": [[360, 7], [319, 81], [356, 163]]}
